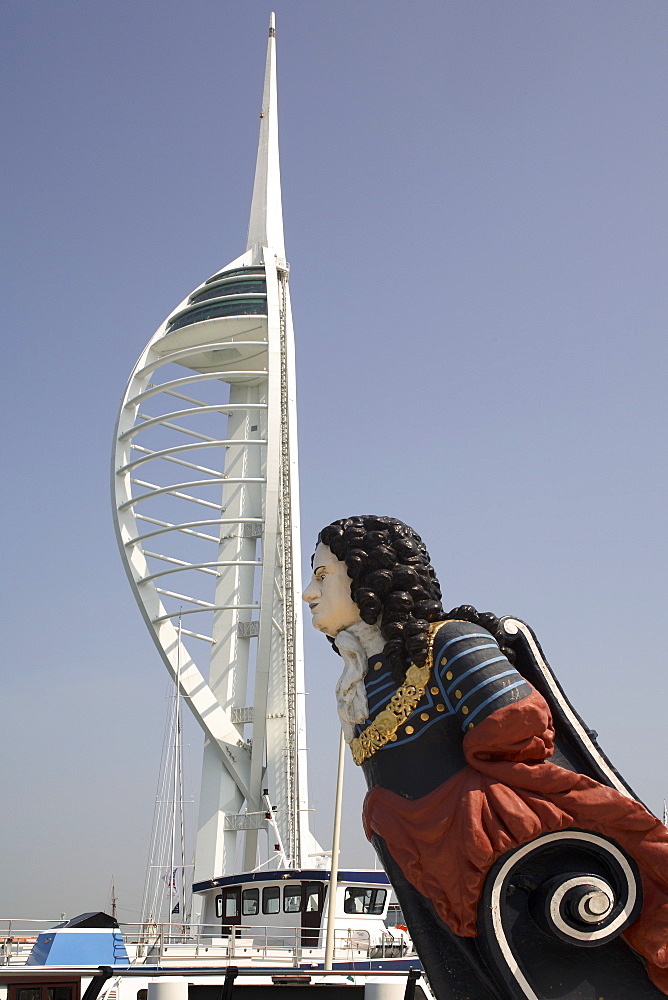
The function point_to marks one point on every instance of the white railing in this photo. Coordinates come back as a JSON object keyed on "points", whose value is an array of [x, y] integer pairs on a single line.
{"points": [[160, 942], [17, 936], [157, 943]]}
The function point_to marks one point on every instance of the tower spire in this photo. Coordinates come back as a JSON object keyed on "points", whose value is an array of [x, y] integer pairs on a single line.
{"points": [[265, 227]]}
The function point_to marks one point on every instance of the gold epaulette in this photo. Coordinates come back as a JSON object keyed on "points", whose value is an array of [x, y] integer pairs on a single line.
{"points": [[405, 700]]}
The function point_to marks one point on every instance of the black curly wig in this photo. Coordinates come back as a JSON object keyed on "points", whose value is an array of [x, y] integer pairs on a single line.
{"points": [[394, 585]]}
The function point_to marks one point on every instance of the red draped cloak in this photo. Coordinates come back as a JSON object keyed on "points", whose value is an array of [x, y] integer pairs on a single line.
{"points": [[508, 794]]}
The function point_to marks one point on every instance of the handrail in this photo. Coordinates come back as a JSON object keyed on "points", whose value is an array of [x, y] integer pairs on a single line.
{"points": [[159, 942], [134, 971]]}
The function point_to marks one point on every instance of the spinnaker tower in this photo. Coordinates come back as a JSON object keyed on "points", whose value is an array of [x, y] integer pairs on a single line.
{"points": [[205, 487]]}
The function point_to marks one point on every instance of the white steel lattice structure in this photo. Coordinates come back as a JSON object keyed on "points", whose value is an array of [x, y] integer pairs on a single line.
{"points": [[206, 510]]}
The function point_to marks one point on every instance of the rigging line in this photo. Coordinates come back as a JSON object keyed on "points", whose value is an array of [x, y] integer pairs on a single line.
{"points": [[175, 779], [179, 731], [157, 852]]}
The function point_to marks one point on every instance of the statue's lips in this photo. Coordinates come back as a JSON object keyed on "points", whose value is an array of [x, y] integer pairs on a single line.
{"points": [[312, 607]]}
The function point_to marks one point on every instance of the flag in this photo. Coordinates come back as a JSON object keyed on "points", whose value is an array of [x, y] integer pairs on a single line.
{"points": [[170, 882]]}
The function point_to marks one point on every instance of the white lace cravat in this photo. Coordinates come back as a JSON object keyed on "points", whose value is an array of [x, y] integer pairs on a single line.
{"points": [[355, 644]]}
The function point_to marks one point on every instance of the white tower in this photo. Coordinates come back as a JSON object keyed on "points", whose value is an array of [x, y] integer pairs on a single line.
{"points": [[206, 508]]}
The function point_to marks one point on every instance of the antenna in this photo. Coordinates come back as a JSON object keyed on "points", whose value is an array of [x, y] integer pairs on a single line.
{"points": [[265, 228]]}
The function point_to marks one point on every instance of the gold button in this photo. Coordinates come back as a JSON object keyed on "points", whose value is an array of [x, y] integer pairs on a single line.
{"points": [[377, 666], [434, 690], [409, 730], [444, 661], [465, 710], [440, 708], [448, 676], [470, 725], [458, 693], [425, 716], [393, 737]]}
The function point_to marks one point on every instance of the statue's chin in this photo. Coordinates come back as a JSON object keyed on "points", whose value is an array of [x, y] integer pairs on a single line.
{"points": [[333, 632], [324, 629]]}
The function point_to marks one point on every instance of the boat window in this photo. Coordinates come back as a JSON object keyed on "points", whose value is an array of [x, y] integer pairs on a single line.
{"points": [[312, 899], [231, 903], [250, 902], [271, 899], [219, 906], [59, 992], [292, 899], [51, 993], [395, 916], [63, 991], [364, 900]]}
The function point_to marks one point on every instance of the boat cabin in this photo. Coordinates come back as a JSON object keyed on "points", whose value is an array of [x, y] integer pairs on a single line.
{"points": [[289, 900]]}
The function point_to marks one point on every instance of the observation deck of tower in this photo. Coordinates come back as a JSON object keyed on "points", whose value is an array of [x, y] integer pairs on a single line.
{"points": [[205, 491]]}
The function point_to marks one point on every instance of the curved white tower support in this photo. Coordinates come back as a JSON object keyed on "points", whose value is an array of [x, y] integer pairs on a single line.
{"points": [[206, 508]]}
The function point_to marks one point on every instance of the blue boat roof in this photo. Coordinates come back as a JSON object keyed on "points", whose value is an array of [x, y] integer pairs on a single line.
{"points": [[295, 875]]}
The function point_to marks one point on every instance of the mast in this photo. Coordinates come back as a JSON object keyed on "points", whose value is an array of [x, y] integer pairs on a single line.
{"points": [[207, 518]]}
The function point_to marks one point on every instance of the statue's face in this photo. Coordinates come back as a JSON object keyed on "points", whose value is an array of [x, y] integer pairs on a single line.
{"points": [[328, 594]]}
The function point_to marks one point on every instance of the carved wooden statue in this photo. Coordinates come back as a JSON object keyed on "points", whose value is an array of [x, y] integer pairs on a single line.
{"points": [[525, 866]]}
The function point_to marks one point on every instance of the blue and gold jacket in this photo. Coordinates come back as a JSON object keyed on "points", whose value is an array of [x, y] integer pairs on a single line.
{"points": [[470, 678]]}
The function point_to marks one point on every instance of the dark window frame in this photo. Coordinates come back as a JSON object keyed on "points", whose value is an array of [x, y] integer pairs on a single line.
{"points": [[275, 891], [293, 892], [251, 895], [373, 900]]}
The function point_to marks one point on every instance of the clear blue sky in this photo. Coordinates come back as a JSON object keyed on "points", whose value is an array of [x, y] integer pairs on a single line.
{"points": [[475, 211]]}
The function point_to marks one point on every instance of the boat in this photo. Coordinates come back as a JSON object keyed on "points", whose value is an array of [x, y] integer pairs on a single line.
{"points": [[205, 499]]}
